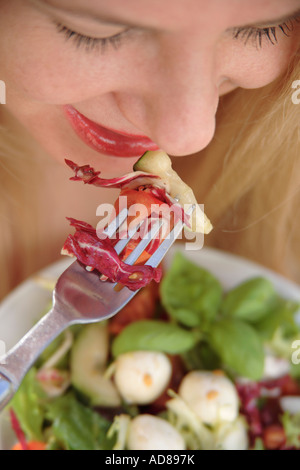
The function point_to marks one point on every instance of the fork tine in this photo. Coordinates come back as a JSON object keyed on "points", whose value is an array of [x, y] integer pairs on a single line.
{"points": [[119, 247], [147, 238], [156, 258], [111, 229]]}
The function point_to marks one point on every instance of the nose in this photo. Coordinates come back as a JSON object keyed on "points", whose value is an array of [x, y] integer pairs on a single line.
{"points": [[175, 97]]}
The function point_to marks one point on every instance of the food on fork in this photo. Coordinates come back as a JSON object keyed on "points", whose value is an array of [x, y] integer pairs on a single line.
{"points": [[156, 188], [99, 254]]}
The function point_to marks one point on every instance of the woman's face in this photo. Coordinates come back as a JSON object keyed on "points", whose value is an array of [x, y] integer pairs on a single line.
{"points": [[147, 73]]}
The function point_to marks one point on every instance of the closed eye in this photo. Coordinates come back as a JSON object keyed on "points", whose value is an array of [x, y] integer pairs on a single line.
{"points": [[91, 43], [256, 34]]}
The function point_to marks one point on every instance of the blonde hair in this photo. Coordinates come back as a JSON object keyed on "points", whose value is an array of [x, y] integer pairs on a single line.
{"points": [[18, 203], [248, 178]]}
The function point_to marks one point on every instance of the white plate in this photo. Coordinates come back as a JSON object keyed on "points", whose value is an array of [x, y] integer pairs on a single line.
{"points": [[26, 303]]}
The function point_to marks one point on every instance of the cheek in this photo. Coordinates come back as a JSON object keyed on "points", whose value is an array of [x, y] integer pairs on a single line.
{"points": [[41, 66], [251, 67], [46, 76], [269, 66]]}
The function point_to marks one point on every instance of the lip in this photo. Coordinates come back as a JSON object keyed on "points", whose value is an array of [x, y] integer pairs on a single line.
{"points": [[107, 141]]}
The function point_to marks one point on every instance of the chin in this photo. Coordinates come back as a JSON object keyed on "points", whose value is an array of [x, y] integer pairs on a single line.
{"points": [[109, 166], [60, 144]]}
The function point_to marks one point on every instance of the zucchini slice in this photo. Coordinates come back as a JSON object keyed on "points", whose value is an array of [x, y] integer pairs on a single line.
{"points": [[159, 163], [88, 363]]}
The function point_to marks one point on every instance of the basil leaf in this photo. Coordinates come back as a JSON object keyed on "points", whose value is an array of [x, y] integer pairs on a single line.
{"points": [[282, 316], [189, 293], [250, 300], [201, 357], [239, 347], [153, 335], [295, 371]]}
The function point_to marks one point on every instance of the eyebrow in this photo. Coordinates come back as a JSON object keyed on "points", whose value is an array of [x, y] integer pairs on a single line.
{"points": [[82, 13], [278, 21], [106, 18]]}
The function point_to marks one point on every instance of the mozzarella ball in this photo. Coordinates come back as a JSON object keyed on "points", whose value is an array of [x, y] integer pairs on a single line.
{"points": [[148, 432], [211, 395], [275, 367], [232, 436], [141, 376], [291, 404]]}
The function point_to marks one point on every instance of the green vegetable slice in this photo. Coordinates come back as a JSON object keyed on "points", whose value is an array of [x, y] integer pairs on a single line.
{"points": [[159, 163], [88, 362]]}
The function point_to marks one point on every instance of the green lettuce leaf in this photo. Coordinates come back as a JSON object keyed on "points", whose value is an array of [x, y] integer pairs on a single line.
{"points": [[29, 405], [78, 427], [291, 425]]}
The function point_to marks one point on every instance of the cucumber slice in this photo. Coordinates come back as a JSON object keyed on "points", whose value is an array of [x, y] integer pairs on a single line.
{"points": [[159, 163], [88, 361]]}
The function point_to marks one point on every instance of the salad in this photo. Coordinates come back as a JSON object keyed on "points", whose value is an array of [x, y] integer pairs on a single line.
{"points": [[185, 365]]}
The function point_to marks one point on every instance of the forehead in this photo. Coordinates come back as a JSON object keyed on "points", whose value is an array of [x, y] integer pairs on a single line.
{"points": [[174, 14]]}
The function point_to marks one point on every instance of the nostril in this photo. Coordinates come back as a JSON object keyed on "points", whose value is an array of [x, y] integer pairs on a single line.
{"points": [[221, 81]]}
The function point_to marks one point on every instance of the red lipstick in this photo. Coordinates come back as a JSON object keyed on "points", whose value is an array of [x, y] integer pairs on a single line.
{"points": [[107, 141]]}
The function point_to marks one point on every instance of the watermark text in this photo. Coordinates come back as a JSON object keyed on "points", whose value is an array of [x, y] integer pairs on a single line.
{"points": [[2, 351], [154, 222], [296, 93], [2, 92], [296, 353]]}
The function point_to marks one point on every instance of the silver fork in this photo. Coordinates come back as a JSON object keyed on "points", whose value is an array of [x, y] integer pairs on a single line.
{"points": [[79, 297]]}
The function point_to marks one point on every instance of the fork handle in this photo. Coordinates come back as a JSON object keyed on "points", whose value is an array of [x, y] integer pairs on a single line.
{"points": [[16, 363]]}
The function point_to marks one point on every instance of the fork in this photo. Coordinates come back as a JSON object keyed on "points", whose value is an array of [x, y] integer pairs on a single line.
{"points": [[79, 297]]}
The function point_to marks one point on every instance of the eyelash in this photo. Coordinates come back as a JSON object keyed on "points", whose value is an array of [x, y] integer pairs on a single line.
{"points": [[270, 33], [245, 33], [89, 42]]}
